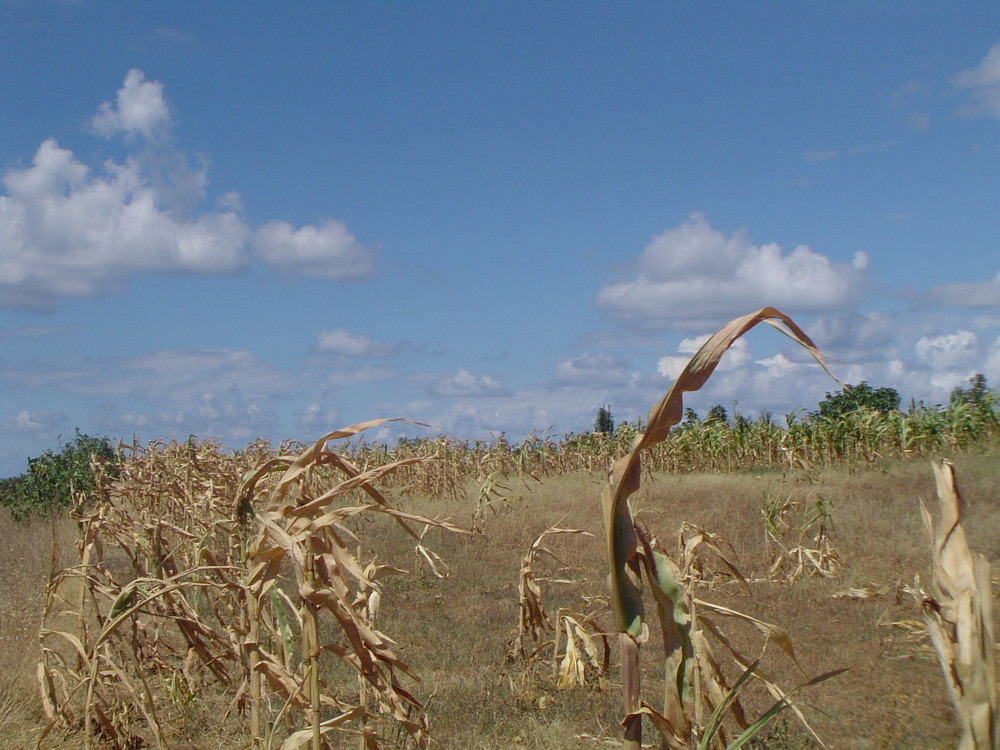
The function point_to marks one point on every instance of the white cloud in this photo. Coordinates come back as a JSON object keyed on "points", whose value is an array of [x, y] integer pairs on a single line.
{"points": [[206, 392], [37, 425], [991, 366], [69, 231], [694, 276], [984, 294], [210, 393], [466, 384], [959, 350], [65, 232], [671, 365], [215, 416], [140, 110], [25, 332], [327, 251], [983, 85], [779, 364], [360, 375], [319, 420], [856, 337], [189, 376], [339, 341], [601, 369], [172, 378]]}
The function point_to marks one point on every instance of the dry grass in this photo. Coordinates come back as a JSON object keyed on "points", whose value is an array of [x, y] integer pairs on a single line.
{"points": [[456, 632], [26, 564]]}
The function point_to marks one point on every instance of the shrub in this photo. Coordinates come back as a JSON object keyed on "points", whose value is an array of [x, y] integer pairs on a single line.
{"points": [[49, 484], [604, 422], [853, 398]]}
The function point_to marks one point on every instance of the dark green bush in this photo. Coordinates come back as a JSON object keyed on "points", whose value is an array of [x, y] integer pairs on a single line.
{"points": [[852, 398], [47, 486]]}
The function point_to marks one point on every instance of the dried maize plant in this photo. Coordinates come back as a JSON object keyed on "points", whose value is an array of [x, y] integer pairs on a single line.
{"points": [[302, 525], [532, 620], [811, 551], [182, 593], [150, 618], [958, 616], [576, 658], [580, 651], [699, 700], [630, 558], [440, 473], [694, 543], [491, 491]]}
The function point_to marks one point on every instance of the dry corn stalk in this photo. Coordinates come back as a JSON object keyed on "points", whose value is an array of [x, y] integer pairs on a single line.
{"points": [[959, 619], [694, 565], [532, 618], [624, 558], [580, 656], [195, 594], [696, 687], [304, 526], [813, 553]]}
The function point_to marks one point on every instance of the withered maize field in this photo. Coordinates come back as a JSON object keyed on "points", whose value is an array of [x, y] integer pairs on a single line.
{"points": [[818, 584]]}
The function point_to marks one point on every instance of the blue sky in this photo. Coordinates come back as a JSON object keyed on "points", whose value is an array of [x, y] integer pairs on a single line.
{"points": [[251, 219]]}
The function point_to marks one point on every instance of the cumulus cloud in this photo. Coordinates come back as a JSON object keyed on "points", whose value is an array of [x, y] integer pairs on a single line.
{"points": [[957, 350], [339, 341], [140, 109], [327, 251], [693, 276], [68, 230], [983, 86], [65, 232], [466, 384]]}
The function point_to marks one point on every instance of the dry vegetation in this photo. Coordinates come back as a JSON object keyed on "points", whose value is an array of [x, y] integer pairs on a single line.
{"points": [[456, 595], [457, 632]]}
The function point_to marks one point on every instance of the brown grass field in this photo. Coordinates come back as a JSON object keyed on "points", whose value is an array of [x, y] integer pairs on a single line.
{"points": [[455, 632]]}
